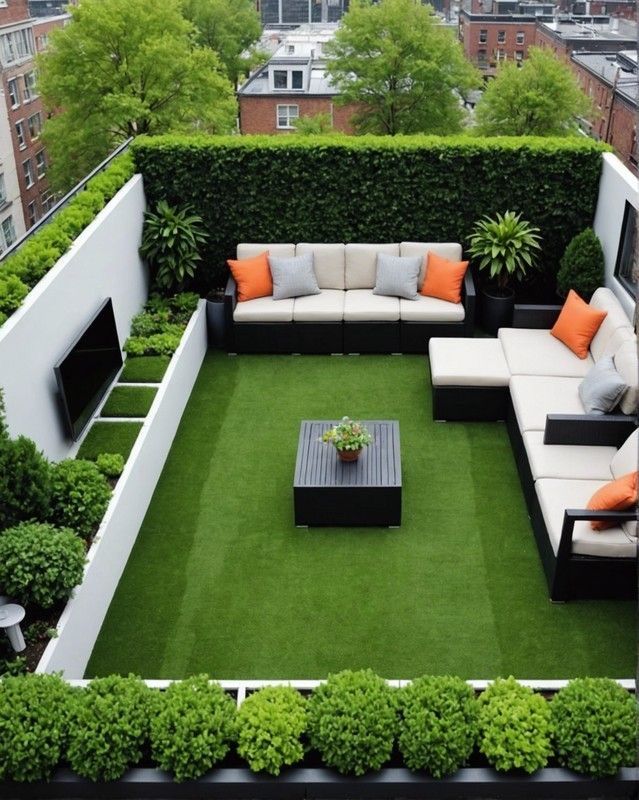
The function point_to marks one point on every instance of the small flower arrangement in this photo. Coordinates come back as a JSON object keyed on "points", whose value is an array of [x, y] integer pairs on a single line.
{"points": [[347, 435]]}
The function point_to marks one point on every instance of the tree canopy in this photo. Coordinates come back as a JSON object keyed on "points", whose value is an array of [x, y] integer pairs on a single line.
{"points": [[231, 28], [542, 98], [401, 67], [123, 68]]}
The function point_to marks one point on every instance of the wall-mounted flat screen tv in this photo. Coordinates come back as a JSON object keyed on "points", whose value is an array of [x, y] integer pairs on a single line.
{"points": [[86, 370]]}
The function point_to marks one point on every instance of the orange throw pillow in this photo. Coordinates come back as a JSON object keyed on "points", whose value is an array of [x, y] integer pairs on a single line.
{"points": [[443, 278], [253, 277], [619, 495], [577, 324]]}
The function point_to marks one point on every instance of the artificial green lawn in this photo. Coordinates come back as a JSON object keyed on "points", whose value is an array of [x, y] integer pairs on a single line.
{"points": [[129, 401], [221, 581], [144, 369], [109, 437]]}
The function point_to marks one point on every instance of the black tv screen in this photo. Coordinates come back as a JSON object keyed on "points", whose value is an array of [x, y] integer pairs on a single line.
{"points": [[87, 369]]}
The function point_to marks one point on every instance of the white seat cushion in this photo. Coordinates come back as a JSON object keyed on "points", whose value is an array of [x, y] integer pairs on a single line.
{"points": [[250, 250], [361, 305], [467, 362], [555, 496], [430, 309], [325, 307], [450, 250], [535, 396], [605, 300], [264, 309], [536, 352], [567, 461], [361, 263], [627, 365], [328, 262]]}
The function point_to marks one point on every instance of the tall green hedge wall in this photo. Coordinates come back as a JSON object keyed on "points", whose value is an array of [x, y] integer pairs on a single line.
{"points": [[370, 189]]}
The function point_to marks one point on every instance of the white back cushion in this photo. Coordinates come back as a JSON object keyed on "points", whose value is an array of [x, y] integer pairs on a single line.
{"points": [[245, 250], [625, 459], [450, 250], [627, 365], [361, 264], [328, 261], [604, 300]]}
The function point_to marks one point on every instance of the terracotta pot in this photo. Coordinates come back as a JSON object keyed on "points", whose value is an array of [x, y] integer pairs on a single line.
{"points": [[349, 455]]}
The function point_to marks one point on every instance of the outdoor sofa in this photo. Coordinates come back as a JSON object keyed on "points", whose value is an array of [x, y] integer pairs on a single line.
{"points": [[346, 317], [563, 454]]}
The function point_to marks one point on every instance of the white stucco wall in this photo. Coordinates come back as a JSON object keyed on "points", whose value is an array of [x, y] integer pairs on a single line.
{"points": [[102, 262], [617, 185], [82, 619]]}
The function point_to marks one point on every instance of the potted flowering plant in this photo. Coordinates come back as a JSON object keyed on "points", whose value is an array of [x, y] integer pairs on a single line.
{"points": [[348, 437]]}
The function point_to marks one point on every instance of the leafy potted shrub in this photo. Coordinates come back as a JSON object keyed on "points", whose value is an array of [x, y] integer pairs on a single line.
{"points": [[352, 721], [270, 724], [594, 726], [504, 247], [582, 265], [348, 437], [438, 724]]}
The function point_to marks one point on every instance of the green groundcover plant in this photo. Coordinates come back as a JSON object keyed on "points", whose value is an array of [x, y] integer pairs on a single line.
{"points": [[110, 464], [157, 331], [438, 724], [193, 728], [352, 721], [594, 726], [39, 563], [80, 495], [270, 725], [514, 727], [34, 711], [108, 726]]}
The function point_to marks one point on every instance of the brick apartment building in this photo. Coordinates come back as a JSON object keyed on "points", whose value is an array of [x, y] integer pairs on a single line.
{"points": [[292, 84], [22, 153], [586, 34]]}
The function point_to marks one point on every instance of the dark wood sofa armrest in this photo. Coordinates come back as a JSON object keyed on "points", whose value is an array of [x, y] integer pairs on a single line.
{"points": [[609, 430], [572, 515], [535, 316]]}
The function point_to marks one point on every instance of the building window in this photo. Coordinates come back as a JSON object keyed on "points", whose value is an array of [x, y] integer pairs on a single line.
{"points": [[27, 169], [519, 56], [35, 125], [280, 79], [8, 233], [48, 200], [626, 268], [483, 36], [3, 190], [29, 86], [501, 37], [286, 115], [22, 142], [42, 41], [297, 79], [290, 49], [14, 92], [41, 164], [32, 213], [482, 57], [16, 46], [520, 37]]}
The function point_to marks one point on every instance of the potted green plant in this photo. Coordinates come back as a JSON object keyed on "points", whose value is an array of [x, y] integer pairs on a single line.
{"points": [[505, 247], [582, 265], [348, 437]]}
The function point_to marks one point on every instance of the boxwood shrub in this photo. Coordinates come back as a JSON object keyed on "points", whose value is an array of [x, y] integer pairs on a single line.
{"points": [[39, 563], [193, 727], [438, 724], [25, 482], [108, 726], [271, 723], [514, 726], [34, 713], [594, 726], [352, 721], [111, 465], [79, 495], [369, 189]]}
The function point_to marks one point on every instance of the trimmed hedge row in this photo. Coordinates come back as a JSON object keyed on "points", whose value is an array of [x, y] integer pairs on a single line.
{"points": [[369, 189], [20, 272], [354, 721]]}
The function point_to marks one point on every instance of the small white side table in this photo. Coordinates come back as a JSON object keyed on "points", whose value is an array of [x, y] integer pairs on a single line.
{"points": [[11, 615]]}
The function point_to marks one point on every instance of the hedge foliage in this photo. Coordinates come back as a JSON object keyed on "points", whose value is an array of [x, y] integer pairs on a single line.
{"points": [[369, 189], [21, 271], [80, 495]]}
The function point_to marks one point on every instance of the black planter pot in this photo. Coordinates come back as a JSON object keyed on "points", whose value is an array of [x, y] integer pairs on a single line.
{"points": [[215, 324], [497, 308]]}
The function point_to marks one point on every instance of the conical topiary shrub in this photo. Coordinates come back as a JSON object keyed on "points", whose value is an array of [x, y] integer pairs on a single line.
{"points": [[582, 265]]}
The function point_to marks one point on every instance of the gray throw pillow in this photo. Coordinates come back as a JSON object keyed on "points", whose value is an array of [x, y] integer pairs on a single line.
{"points": [[293, 277], [397, 275], [602, 388]]}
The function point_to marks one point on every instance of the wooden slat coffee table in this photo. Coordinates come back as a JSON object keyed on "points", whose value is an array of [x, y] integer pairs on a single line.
{"points": [[368, 491]]}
